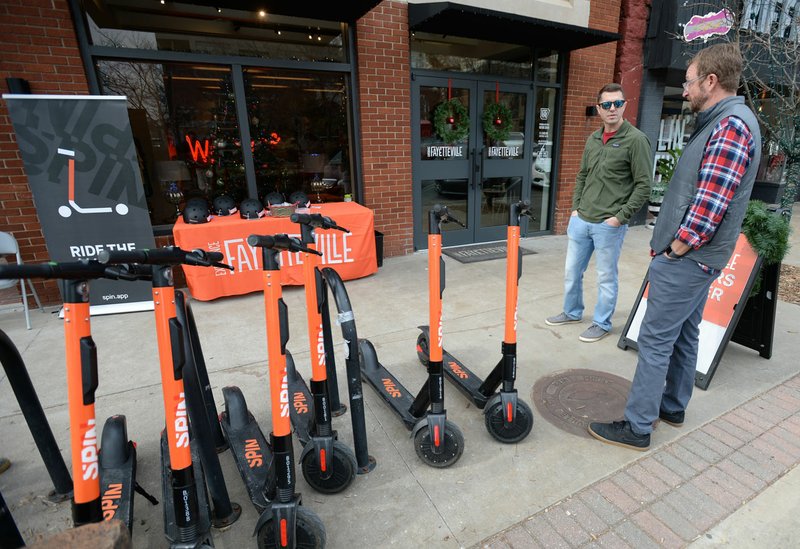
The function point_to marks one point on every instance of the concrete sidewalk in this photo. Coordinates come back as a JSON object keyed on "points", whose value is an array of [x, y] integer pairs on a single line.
{"points": [[726, 467]]}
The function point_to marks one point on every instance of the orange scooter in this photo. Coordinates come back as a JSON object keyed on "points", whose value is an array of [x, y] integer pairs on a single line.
{"points": [[508, 418], [328, 465], [437, 441], [187, 520], [104, 481], [284, 523]]}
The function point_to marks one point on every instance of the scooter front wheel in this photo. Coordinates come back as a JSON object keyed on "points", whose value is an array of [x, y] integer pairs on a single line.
{"points": [[309, 532], [508, 433], [423, 352], [344, 470], [453, 446]]}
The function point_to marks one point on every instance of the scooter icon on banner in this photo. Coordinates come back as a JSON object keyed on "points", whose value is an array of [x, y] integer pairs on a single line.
{"points": [[66, 211]]}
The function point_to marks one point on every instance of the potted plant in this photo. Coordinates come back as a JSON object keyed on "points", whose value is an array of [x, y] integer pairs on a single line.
{"points": [[665, 167]]}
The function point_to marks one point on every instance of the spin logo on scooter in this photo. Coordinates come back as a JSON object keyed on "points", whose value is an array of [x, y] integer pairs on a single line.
{"points": [[181, 423], [391, 388], [439, 331], [110, 501], [253, 453], [300, 402], [284, 396], [89, 464], [66, 211], [457, 370], [320, 347]]}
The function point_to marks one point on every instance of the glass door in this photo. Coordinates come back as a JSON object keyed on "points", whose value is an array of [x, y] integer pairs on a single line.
{"points": [[472, 152], [505, 156]]}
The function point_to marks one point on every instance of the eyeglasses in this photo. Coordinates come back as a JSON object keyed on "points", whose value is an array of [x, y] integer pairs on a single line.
{"points": [[605, 105], [689, 82]]}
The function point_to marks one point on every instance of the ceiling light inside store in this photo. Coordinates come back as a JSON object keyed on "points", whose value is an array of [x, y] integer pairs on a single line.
{"points": [[262, 13]]}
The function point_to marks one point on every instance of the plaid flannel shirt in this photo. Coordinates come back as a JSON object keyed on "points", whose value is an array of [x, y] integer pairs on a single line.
{"points": [[725, 160]]}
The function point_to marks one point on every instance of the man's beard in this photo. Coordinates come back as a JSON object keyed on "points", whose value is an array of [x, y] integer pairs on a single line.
{"points": [[697, 103]]}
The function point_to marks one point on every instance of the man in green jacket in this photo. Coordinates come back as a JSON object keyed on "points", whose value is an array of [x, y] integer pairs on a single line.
{"points": [[613, 183]]}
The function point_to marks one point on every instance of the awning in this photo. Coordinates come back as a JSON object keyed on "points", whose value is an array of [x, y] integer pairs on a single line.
{"points": [[348, 11], [455, 19]]}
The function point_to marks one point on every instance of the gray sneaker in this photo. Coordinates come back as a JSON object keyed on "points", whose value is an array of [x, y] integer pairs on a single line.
{"points": [[593, 333], [560, 319]]}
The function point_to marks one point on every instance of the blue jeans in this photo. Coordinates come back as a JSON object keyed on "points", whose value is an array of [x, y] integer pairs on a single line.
{"points": [[584, 239], [668, 340]]}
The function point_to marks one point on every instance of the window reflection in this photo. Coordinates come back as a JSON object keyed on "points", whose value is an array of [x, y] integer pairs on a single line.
{"points": [[298, 126], [184, 126]]}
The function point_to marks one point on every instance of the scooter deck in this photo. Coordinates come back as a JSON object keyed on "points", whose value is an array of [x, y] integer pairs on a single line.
{"points": [[396, 396], [117, 488], [465, 380], [204, 511], [253, 457]]}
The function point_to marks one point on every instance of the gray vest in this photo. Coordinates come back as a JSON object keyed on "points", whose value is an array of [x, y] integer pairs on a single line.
{"points": [[683, 187]]}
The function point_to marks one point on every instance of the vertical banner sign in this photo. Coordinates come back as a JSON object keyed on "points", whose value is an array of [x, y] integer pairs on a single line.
{"points": [[726, 300], [82, 168]]}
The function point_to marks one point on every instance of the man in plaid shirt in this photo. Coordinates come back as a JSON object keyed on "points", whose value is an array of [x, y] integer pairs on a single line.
{"points": [[696, 232]]}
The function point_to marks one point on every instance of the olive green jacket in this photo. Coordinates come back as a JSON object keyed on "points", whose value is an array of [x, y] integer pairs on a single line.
{"points": [[615, 178]]}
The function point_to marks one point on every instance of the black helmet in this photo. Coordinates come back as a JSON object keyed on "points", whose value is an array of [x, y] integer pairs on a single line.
{"points": [[300, 198], [224, 205], [195, 213], [274, 198], [197, 201], [251, 208]]}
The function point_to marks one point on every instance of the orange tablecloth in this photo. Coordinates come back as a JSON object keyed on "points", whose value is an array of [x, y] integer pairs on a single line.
{"points": [[351, 254]]}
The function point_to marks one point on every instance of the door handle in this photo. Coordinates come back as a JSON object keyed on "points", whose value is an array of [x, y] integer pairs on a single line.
{"points": [[477, 161]]}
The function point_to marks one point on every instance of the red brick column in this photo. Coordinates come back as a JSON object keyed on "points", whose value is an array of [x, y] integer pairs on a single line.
{"points": [[589, 69], [630, 54], [384, 85], [38, 44]]}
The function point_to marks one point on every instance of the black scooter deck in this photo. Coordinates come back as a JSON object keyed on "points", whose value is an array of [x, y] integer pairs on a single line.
{"points": [[302, 410], [117, 488], [204, 510], [253, 457], [392, 391], [117, 459], [466, 381]]}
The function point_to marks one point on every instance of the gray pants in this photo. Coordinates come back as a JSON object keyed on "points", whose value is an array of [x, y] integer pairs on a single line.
{"points": [[667, 341]]}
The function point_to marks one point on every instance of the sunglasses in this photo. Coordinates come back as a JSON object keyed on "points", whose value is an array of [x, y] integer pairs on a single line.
{"points": [[605, 105]]}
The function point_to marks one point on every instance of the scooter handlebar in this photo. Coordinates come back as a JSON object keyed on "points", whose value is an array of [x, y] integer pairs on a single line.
{"points": [[84, 269], [279, 242], [170, 255], [318, 221]]}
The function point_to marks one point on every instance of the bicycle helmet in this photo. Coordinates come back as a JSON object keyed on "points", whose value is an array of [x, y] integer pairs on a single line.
{"points": [[195, 213], [251, 208], [299, 198], [224, 205], [274, 198], [197, 201]]}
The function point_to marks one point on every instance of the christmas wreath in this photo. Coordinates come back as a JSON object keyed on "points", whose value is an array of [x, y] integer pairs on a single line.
{"points": [[451, 121], [497, 121]]}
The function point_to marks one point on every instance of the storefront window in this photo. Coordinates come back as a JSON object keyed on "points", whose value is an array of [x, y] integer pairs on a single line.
{"points": [[215, 31], [298, 128], [458, 54], [547, 66], [542, 167], [184, 126]]}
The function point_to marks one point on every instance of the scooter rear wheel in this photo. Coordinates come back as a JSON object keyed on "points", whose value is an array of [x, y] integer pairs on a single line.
{"points": [[513, 432], [453, 446], [309, 534], [344, 470], [422, 349]]}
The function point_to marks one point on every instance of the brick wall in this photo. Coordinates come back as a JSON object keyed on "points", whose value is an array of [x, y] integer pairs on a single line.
{"points": [[589, 69], [38, 44], [384, 68]]}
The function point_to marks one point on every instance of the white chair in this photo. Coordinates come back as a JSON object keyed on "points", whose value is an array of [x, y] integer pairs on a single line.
{"points": [[8, 246]]}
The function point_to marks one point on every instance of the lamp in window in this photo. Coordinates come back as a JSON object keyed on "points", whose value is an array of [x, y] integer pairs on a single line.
{"points": [[171, 173], [314, 163]]}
